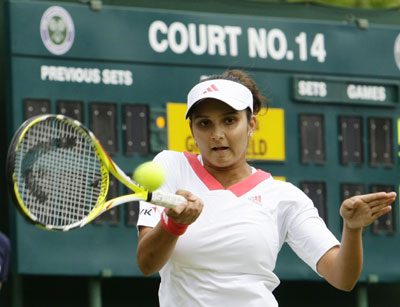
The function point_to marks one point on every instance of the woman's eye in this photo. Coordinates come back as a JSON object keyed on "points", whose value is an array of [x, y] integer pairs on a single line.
{"points": [[230, 120], [204, 123]]}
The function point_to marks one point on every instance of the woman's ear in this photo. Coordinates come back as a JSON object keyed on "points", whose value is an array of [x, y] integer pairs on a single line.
{"points": [[252, 125]]}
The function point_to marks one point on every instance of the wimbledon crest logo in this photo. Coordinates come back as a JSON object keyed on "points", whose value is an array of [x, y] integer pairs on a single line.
{"points": [[397, 51], [57, 30]]}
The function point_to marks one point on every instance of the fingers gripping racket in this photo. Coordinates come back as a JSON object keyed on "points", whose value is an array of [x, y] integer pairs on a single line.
{"points": [[58, 173]]}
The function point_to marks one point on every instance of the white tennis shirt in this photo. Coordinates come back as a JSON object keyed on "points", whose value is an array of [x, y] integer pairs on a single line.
{"points": [[228, 255]]}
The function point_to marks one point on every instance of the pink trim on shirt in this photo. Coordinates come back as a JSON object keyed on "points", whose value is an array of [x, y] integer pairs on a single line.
{"points": [[212, 183]]}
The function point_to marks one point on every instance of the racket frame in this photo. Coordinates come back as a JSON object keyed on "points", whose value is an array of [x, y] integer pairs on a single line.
{"points": [[107, 165]]}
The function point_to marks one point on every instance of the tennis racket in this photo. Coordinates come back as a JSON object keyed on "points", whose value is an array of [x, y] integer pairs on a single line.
{"points": [[58, 173]]}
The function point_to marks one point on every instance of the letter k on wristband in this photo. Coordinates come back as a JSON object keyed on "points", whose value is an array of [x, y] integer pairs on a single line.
{"points": [[170, 226]]}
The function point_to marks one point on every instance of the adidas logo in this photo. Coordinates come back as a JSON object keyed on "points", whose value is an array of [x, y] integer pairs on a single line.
{"points": [[212, 88], [256, 199]]}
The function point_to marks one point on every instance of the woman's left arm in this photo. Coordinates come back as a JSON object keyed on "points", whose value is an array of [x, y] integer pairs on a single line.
{"points": [[341, 266]]}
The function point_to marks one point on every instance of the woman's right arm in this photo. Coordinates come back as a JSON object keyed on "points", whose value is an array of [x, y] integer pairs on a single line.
{"points": [[154, 248], [156, 244]]}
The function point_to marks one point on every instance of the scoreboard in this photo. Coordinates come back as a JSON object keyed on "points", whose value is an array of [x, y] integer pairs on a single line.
{"points": [[331, 128]]}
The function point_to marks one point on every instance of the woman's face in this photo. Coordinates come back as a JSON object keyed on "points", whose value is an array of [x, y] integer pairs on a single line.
{"points": [[221, 133]]}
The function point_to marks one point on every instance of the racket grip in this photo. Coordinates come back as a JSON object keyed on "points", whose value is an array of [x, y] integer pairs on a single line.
{"points": [[167, 200]]}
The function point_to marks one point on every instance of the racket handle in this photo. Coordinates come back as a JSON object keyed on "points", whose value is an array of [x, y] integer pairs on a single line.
{"points": [[164, 199]]}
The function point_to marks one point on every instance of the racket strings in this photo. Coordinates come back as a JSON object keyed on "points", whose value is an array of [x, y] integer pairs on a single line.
{"points": [[60, 178]]}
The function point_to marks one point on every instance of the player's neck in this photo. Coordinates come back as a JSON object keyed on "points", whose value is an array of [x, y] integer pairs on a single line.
{"points": [[230, 175]]}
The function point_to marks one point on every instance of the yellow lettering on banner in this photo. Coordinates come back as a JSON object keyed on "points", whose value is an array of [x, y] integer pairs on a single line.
{"points": [[267, 143]]}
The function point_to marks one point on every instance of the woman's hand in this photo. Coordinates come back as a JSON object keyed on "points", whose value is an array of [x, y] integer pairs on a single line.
{"points": [[362, 210], [188, 212]]}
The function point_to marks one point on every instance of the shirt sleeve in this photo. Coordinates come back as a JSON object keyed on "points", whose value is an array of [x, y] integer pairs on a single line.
{"points": [[308, 235], [149, 214]]}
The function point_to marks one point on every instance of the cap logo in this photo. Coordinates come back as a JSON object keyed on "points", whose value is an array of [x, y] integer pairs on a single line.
{"points": [[212, 88]]}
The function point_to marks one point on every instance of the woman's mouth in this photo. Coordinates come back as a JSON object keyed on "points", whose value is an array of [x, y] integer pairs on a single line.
{"points": [[220, 148]]}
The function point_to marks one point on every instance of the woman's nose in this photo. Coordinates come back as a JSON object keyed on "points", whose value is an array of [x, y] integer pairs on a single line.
{"points": [[217, 133]]}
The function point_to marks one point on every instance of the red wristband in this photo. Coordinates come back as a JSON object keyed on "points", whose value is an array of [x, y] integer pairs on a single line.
{"points": [[170, 226]]}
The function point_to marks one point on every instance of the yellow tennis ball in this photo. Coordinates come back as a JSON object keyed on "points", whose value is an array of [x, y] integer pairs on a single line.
{"points": [[150, 175]]}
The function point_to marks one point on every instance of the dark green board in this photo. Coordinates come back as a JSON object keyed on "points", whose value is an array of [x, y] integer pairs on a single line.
{"points": [[118, 39]]}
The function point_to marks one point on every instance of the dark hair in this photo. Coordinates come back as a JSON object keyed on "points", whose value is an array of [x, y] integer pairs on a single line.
{"points": [[241, 77]]}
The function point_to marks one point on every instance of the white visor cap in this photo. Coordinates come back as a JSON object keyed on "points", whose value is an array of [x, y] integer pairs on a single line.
{"points": [[234, 94]]}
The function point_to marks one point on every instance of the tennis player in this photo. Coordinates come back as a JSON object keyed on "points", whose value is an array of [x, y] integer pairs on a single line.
{"points": [[4, 257], [220, 248]]}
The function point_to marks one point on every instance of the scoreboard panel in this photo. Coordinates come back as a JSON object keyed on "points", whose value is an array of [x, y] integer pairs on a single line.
{"points": [[332, 127]]}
